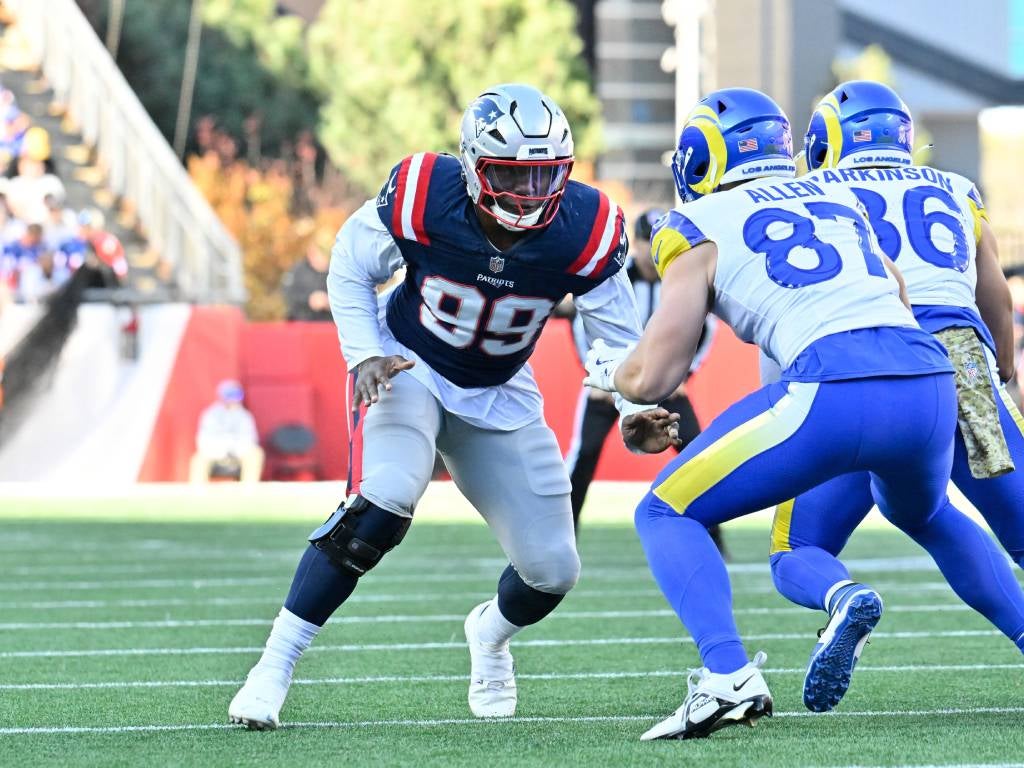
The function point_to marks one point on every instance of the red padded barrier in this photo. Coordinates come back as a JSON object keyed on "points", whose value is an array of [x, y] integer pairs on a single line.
{"points": [[295, 372], [209, 352]]}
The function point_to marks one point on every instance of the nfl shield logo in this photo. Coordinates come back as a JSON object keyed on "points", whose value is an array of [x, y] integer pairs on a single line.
{"points": [[497, 264]]}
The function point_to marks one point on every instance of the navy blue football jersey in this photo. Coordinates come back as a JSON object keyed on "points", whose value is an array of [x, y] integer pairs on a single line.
{"points": [[471, 312]]}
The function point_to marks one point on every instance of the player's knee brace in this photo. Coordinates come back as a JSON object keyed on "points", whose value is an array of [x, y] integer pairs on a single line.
{"points": [[357, 536]]}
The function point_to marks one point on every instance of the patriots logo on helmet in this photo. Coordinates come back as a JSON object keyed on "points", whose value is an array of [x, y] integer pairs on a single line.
{"points": [[387, 190], [487, 113]]}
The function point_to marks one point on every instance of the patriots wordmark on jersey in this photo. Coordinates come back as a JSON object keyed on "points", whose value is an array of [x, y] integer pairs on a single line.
{"points": [[472, 313]]}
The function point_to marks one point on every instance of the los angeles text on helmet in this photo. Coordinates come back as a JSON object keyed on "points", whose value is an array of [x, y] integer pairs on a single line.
{"points": [[762, 169]]}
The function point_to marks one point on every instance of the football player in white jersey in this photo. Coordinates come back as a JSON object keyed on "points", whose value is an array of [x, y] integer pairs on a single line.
{"points": [[791, 265], [933, 225], [491, 241]]}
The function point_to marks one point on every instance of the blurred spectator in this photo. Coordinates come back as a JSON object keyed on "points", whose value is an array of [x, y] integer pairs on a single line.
{"points": [[40, 278], [105, 245], [305, 284], [61, 224], [14, 126], [10, 228], [27, 192], [17, 254], [227, 438]]}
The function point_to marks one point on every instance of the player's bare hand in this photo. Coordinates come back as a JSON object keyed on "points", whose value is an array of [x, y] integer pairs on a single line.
{"points": [[375, 373], [651, 431]]}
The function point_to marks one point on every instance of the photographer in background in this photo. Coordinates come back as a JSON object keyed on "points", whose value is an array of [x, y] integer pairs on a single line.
{"points": [[227, 438], [305, 284]]}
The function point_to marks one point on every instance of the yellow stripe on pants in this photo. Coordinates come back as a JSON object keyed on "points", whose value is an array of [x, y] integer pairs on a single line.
{"points": [[738, 446], [780, 527], [1011, 406]]}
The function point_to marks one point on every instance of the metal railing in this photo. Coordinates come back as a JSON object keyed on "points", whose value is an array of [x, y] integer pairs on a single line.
{"points": [[140, 165]]}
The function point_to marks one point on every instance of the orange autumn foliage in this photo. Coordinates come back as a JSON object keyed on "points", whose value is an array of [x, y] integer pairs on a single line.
{"points": [[256, 207]]}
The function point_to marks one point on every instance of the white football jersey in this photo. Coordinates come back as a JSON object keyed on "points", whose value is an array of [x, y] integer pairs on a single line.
{"points": [[927, 221], [796, 262]]}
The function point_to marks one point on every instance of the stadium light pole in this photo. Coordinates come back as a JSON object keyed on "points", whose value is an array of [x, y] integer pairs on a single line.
{"points": [[188, 78], [114, 24]]}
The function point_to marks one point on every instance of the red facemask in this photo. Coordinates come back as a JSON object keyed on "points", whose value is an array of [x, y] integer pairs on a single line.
{"points": [[522, 194]]}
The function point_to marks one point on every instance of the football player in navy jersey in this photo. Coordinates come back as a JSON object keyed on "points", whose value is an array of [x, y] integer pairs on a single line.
{"points": [[491, 241]]}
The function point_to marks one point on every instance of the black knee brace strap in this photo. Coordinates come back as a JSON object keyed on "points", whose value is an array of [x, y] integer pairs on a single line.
{"points": [[356, 537]]}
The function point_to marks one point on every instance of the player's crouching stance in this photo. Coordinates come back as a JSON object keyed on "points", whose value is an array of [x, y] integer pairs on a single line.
{"points": [[443, 369], [791, 267]]}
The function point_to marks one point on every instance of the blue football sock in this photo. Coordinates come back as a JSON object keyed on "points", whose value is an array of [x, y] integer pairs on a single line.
{"points": [[319, 587], [692, 576], [975, 568], [804, 575]]}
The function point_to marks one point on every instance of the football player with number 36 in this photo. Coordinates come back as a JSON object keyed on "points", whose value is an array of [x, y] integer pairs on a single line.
{"points": [[491, 241], [934, 226], [791, 265]]}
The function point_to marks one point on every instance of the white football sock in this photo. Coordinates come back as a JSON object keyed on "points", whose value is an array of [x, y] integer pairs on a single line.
{"points": [[493, 628], [288, 639], [835, 588]]}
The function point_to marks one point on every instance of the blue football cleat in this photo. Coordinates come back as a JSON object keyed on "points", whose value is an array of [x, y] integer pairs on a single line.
{"points": [[839, 645]]}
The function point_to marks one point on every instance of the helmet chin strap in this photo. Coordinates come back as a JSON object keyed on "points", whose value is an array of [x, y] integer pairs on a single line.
{"points": [[529, 219]]}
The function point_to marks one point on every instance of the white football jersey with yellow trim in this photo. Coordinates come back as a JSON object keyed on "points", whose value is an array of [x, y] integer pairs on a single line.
{"points": [[928, 222], [796, 262]]}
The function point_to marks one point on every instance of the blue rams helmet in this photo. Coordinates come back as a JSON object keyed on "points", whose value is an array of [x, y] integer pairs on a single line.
{"points": [[860, 123], [731, 135]]}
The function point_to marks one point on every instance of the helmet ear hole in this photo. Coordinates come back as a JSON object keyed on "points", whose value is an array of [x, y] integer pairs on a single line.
{"points": [[701, 170]]}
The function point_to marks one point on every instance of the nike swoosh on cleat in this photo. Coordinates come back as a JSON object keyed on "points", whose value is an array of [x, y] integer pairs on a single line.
{"points": [[737, 687]]}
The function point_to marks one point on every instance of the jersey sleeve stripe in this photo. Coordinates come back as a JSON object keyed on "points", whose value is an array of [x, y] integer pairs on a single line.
{"points": [[400, 195], [674, 235], [612, 245], [420, 203], [590, 250], [686, 228], [412, 187]]}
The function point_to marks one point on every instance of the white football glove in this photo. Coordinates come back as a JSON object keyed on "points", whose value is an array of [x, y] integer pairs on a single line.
{"points": [[603, 361]]}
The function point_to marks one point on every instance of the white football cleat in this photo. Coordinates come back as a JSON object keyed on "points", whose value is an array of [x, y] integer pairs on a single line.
{"points": [[257, 705], [714, 701], [492, 682]]}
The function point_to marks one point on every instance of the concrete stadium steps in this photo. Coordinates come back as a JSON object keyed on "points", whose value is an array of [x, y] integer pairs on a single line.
{"points": [[75, 163]]}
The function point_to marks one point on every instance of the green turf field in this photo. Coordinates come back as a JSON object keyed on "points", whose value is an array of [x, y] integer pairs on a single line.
{"points": [[126, 625]]}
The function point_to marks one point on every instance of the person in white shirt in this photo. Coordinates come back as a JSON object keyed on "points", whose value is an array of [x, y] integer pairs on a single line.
{"points": [[227, 434]]}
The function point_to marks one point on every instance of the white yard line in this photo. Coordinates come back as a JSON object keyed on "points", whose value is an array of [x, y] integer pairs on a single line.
{"points": [[257, 621], [38, 730], [409, 679], [580, 593], [258, 560], [559, 643]]}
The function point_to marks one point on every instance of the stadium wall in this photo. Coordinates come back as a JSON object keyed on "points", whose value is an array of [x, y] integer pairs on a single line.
{"points": [[106, 418], [295, 372]]}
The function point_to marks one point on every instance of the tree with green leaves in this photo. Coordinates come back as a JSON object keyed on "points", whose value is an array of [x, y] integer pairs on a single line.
{"points": [[398, 85], [251, 62]]}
